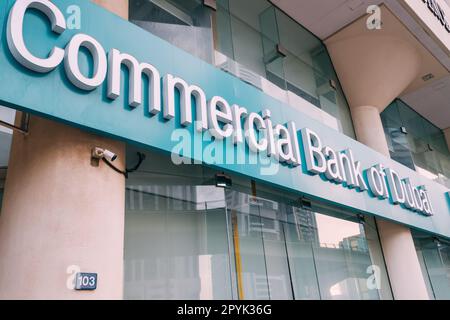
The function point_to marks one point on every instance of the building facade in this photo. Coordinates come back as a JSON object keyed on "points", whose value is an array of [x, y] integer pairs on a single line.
{"points": [[225, 149]]}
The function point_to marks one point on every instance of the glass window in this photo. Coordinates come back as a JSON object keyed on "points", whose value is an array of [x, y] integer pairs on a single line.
{"points": [[176, 244], [186, 238], [422, 147], [184, 23], [6, 115], [434, 257], [265, 42], [255, 41]]}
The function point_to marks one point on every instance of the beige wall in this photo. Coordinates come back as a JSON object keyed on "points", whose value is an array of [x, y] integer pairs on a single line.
{"points": [[59, 211], [374, 69]]}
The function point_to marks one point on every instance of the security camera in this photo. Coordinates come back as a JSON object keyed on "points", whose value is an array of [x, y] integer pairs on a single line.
{"points": [[109, 155], [99, 153]]}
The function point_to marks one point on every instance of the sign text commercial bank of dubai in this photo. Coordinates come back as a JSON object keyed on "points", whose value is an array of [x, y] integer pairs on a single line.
{"points": [[216, 115]]}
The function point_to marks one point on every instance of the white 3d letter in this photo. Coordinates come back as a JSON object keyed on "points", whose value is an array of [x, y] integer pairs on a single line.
{"points": [[220, 112], [73, 69], [136, 70], [313, 152], [16, 42], [254, 119]]}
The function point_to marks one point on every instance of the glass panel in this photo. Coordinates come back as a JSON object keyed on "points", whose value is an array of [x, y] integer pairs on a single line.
{"points": [[223, 40], [185, 238], [267, 43], [184, 23], [423, 148], [342, 259], [249, 33], [434, 255], [278, 272], [310, 73], [176, 239], [286, 252], [397, 141], [249, 246], [7, 115], [247, 45], [301, 234]]}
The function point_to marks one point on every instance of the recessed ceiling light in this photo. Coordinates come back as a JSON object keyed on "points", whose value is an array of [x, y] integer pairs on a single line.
{"points": [[428, 77]]}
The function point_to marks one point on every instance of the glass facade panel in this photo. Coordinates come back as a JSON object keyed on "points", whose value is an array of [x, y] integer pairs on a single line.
{"points": [[186, 238], [342, 259], [275, 47], [7, 115], [256, 42], [422, 147], [176, 246], [184, 23], [434, 255]]}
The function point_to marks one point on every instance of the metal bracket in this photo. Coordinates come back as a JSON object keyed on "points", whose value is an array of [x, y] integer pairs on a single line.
{"points": [[305, 203]]}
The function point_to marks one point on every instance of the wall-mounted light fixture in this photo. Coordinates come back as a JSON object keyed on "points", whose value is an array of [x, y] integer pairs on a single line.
{"points": [[278, 52], [223, 181], [305, 204]]}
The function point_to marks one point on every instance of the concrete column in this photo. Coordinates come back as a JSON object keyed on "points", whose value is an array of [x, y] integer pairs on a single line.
{"points": [[375, 67], [407, 279], [60, 213], [119, 7]]}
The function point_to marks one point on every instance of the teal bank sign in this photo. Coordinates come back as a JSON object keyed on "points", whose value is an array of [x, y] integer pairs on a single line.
{"points": [[115, 79]]}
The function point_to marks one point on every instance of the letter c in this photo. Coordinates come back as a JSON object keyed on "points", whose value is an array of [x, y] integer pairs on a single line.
{"points": [[16, 42], [254, 119]]}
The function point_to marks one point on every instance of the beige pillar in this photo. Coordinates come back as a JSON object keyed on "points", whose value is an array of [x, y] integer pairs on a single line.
{"points": [[60, 213], [369, 129], [403, 265], [119, 7], [375, 68]]}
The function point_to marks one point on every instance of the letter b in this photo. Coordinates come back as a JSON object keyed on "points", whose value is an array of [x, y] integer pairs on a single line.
{"points": [[315, 160]]}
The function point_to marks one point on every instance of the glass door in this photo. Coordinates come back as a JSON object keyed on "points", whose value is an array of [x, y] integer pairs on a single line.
{"points": [[282, 250], [176, 233], [188, 237]]}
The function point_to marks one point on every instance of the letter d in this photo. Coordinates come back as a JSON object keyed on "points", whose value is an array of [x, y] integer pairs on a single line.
{"points": [[395, 187]]}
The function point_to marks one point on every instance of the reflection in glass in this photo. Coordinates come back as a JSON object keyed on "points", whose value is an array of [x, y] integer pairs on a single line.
{"points": [[434, 257], [422, 147], [256, 42], [185, 238], [184, 23], [175, 245], [286, 252]]}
